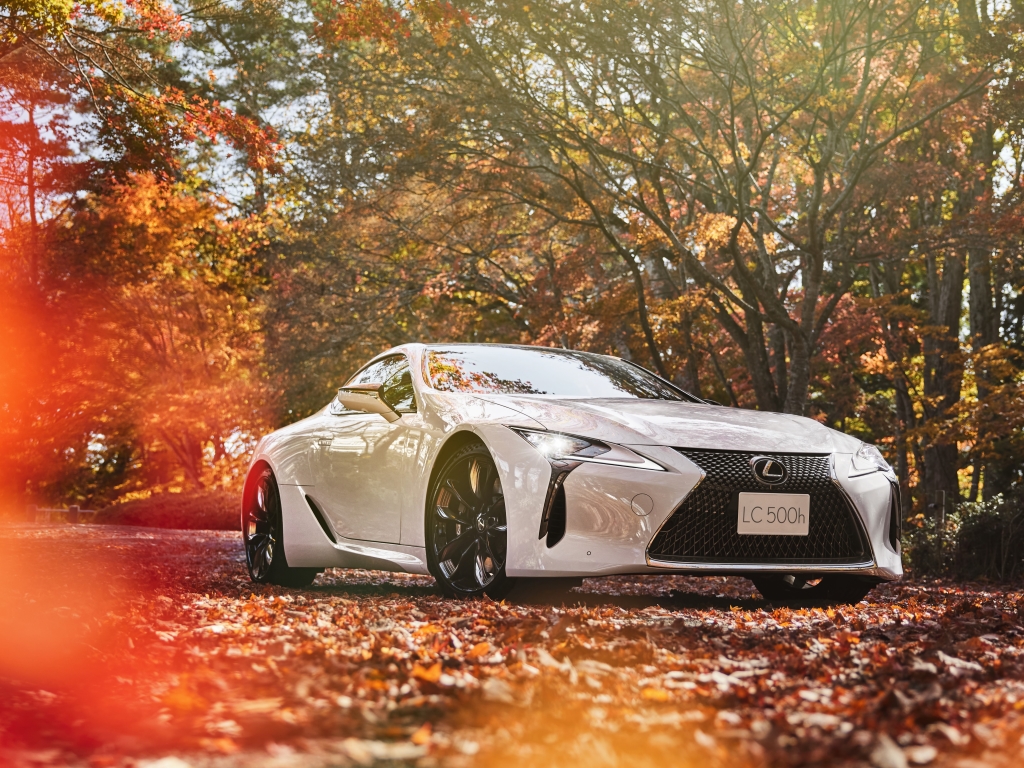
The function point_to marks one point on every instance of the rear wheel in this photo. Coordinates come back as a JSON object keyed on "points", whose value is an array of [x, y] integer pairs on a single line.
{"points": [[797, 588], [467, 532], [262, 534]]}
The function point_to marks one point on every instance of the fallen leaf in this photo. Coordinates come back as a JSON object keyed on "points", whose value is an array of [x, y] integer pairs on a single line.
{"points": [[422, 735], [429, 674], [478, 650], [655, 694]]}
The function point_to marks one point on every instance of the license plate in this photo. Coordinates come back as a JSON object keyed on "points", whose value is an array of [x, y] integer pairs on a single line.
{"points": [[775, 514]]}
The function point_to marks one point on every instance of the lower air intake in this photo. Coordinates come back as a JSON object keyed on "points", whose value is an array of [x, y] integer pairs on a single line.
{"points": [[703, 528]]}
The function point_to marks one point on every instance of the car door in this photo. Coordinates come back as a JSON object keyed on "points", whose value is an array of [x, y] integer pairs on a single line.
{"points": [[363, 462]]}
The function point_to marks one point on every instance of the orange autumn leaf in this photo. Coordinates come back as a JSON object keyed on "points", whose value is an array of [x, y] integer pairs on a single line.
{"points": [[478, 650], [429, 674], [422, 735], [655, 694]]}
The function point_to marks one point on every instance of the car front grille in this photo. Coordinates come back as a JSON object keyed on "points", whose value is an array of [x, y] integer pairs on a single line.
{"points": [[703, 527]]}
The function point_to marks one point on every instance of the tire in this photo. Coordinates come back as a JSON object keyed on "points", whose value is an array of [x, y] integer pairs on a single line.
{"points": [[466, 527], [262, 535], [832, 588]]}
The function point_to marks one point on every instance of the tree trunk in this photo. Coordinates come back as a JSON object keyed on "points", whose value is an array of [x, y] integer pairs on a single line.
{"points": [[757, 364], [943, 370], [31, 190], [780, 365], [983, 318], [799, 375], [888, 282], [689, 375]]}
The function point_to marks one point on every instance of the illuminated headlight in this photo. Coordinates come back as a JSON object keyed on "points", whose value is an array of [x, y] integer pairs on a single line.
{"points": [[555, 445], [559, 447], [869, 459]]}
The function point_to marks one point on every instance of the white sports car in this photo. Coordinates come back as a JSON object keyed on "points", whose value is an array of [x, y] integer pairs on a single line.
{"points": [[481, 464]]}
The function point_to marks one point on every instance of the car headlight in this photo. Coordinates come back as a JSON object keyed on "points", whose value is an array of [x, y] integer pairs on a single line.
{"points": [[869, 459], [557, 446]]}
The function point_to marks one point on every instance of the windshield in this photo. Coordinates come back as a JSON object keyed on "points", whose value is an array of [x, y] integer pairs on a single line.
{"points": [[497, 370]]}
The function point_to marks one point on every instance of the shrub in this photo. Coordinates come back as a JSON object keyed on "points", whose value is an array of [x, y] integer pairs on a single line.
{"points": [[211, 509], [979, 540]]}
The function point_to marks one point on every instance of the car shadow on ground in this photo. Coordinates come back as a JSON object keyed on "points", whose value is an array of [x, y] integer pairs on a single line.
{"points": [[556, 593], [674, 600]]}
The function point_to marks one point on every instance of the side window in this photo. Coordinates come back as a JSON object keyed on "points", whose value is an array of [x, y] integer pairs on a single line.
{"points": [[393, 372], [381, 371], [398, 391]]}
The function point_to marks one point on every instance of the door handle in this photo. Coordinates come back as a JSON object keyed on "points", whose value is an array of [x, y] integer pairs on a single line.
{"points": [[325, 440]]}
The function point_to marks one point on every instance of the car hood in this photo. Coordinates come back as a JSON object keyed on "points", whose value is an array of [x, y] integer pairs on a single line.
{"points": [[631, 421]]}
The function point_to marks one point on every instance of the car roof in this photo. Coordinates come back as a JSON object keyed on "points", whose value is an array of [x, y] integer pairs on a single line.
{"points": [[558, 350]]}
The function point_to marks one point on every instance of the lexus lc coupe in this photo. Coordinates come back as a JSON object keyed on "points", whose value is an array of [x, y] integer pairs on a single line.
{"points": [[483, 464]]}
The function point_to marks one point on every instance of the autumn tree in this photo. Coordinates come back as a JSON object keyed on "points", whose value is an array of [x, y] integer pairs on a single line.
{"points": [[154, 327], [809, 207], [717, 147], [115, 59]]}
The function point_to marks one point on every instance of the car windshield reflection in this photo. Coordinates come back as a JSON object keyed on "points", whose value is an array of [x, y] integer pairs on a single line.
{"points": [[553, 372]]}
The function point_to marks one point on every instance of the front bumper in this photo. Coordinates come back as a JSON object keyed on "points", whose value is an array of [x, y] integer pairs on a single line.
{"points": [[614, 514]]}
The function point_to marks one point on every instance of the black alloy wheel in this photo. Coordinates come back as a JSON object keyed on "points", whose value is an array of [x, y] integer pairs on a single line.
{"points": [[262, 534], [467, 532], [797, 588]]}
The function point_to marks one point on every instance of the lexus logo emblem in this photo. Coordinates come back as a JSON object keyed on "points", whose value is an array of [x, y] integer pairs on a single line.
{"points": [[769, 471]]}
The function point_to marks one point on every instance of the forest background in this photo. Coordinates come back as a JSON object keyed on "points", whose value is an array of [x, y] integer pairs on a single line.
{"points": [[212, 211]]}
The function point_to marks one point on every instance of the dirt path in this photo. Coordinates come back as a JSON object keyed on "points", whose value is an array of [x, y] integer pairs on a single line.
{"points": [[124, 646]]}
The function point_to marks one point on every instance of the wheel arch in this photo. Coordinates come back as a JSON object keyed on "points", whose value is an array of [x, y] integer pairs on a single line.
{"points": [[249, 487], [467, 438], [455, 442]]}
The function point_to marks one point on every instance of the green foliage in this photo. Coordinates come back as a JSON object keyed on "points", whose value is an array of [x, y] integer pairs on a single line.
{"points": [[49, 15], [978, 540]]}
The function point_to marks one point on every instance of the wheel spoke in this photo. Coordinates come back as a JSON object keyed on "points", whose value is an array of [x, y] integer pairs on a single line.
{"points": [[495, 562], [485, 484], [457, 546], [480, 568], [448, 515], [260, 524], [259, 511], [794, 581], [260, 542], [268, 551], [455, 492], [466, 555]]}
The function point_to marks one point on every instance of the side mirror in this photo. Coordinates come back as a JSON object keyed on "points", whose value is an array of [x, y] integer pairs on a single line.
{"points": [[367, 398]]}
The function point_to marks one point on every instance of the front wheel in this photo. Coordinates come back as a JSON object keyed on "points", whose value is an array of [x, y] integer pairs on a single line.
{"points": [[795, 588], [467, 532], [262, 534]]}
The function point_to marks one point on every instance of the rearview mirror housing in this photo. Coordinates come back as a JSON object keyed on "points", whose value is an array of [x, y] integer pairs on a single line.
{"points": [[367, 398]]}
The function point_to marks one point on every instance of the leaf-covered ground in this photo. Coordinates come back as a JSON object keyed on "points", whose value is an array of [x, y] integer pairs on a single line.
{"points": [[124, 646]]}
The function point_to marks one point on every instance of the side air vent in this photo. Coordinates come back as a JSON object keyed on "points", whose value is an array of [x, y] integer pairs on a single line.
{"points": [[552, 523], [895, 518], [321, 519]]}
